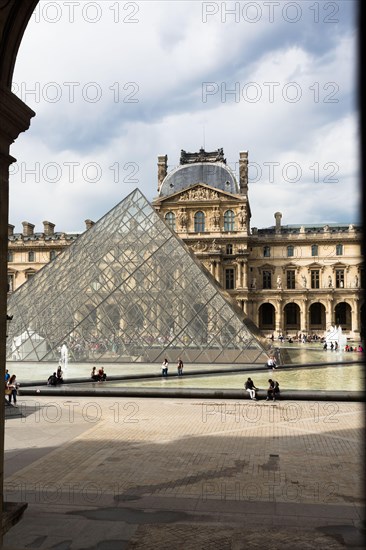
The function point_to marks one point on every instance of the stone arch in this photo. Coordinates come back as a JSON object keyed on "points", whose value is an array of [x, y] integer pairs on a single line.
{"points": [[267, 316], [317, 316], [291, 316], [343, 315]]}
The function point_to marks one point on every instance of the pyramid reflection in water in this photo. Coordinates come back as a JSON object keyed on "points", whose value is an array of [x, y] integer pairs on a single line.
{"points": [[128, 290]]}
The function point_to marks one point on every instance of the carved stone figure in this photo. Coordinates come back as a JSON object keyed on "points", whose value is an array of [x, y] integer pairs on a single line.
{"points": [[356, 281], [214, 245], [253, 284], [215, 218], [242, 215], [182, 218], [330, 283], [304, 281], [279, 282]]}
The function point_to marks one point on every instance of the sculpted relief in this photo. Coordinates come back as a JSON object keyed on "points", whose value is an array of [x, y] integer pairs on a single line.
{"points": [[199, 193]]}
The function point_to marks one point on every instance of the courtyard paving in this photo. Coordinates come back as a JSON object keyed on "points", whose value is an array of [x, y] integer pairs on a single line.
{"points": [[118, 473]]}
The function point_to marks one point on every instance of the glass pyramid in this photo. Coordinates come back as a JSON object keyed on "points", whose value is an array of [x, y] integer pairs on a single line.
{"points": [[126, 290]]}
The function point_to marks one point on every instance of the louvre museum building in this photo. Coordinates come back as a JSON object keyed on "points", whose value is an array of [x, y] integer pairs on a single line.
{"points": [[183, 275]]}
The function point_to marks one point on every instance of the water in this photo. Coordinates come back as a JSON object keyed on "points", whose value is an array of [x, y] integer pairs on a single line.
{"points": [[347, 377], [330, 376]]}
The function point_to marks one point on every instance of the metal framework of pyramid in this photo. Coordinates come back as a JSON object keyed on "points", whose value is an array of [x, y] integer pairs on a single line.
{"points": [[128, 289]]}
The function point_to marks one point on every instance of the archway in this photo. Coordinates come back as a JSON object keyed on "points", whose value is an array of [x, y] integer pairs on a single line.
{"points": [[343, 316], [267, 317], [291, 317], [317, 317]]}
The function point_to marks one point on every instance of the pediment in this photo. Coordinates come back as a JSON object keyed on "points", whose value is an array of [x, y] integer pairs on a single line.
{"points": [[199, 192]]}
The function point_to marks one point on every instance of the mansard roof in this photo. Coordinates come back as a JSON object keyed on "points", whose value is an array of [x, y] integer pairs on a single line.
{"points": [[202, 167]]}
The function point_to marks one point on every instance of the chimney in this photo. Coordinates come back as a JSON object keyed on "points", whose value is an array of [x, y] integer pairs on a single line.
{"points": [[10, 230], [278, 217], [28, 229], [89, 224], [48, 228], [162, 169], [243, 172]]}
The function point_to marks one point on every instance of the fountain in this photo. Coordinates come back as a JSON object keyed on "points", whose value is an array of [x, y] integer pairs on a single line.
{"points": [[334, 336]]}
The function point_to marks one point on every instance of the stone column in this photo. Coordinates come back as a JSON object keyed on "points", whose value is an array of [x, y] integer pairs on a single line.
{"points": [[15, 118], [238, 274], [304, 317], [218, 271], [212, 267], [245, 274], [279, 318], [329, 314], [355, 319]]}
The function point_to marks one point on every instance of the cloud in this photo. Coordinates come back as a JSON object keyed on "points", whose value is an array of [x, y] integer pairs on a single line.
{"points": [[129, 91]]}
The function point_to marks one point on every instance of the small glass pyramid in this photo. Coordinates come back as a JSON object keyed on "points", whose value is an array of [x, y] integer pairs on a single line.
{"points": [[128, 290]]}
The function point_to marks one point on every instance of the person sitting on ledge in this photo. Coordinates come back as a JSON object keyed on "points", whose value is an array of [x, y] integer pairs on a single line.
{"points": [[251, 389], [102, 375], [93, 375], [59, 375], [273, 390], [52, 380]]}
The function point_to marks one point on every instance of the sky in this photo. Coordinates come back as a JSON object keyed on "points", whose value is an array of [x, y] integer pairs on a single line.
{"points": [[115, 84]]}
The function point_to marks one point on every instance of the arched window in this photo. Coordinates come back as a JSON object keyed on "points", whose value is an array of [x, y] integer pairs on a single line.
{"points": [[229, 217], [314, 249], [170, 220], [199, 222], [290, 251], [339, 249]]}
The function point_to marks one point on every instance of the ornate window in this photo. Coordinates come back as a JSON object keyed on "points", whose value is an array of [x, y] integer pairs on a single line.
{"points": [[199, 222], [170, 220], [229, 218], [229, 249], [314, 249], [266, 251], [31, 256], [267, 282], [290, 251], [339, 249], [229, 279], [315, 278], [339, 274], [290, 279]]}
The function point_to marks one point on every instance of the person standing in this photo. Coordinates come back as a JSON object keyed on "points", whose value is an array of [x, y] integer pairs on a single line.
{"points": [[164, 367], [180, 367], [12, 385]]}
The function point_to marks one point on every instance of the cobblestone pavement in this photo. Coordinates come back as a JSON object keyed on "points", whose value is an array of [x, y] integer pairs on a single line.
{"points": [[170, 473]]}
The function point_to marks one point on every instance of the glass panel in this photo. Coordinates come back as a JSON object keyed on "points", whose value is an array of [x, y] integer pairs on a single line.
{"points": [[127, 290]]}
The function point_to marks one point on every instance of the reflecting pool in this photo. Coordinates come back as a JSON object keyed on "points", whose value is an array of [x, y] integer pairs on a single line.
{"points": [[340, 377]]}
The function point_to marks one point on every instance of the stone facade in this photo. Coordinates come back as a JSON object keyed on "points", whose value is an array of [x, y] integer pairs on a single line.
{"points": [[287, 279]]}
